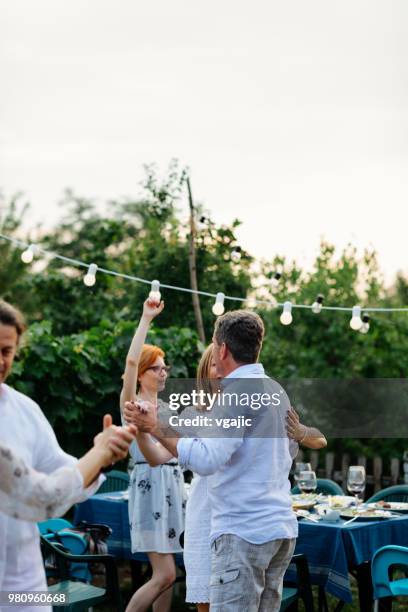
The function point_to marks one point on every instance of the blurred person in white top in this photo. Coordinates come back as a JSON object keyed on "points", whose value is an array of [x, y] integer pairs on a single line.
{"points": [[27, 434]]}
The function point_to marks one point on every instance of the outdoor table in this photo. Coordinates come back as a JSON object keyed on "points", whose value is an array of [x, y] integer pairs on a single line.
{"points": [[332, 550]]}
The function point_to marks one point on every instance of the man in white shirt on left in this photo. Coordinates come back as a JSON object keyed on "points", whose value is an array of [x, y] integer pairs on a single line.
{"points": [[25, 429]]}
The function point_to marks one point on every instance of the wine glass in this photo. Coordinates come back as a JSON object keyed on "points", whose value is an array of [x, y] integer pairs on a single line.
{"points": [[301, 467], [307, 481], [356, 479]]}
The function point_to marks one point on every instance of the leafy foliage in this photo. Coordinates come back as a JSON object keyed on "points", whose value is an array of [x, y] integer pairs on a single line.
{"points": [[77, 378], [77, 343]]}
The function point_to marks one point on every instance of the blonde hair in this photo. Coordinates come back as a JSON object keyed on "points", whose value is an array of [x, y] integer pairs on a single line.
{"points": [[203, 372]]}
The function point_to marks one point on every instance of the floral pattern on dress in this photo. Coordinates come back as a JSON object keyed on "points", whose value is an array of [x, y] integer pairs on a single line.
{"points": [[144, 485]]}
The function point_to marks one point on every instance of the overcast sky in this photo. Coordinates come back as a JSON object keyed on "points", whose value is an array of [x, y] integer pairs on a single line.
{"points": [[291, 115]]}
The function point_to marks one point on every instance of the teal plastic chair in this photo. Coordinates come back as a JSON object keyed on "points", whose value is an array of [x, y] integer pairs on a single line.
{"points": [[383, 586], [324, 486], [52, 525], [397, 493], [115, 481], [57, 531], [81, 596]]}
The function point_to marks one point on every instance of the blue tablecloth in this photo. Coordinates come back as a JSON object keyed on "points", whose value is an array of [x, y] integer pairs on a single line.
{"points": [[330, 548], [110, 509]]}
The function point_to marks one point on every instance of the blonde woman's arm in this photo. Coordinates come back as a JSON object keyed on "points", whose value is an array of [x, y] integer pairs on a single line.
{"points": [[150, 310], [310, 437]]}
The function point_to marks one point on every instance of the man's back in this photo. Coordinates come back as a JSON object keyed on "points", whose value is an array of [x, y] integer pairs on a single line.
{"points": [[250, 495]]}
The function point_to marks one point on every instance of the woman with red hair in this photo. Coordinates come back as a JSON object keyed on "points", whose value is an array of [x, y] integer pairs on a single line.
{"points": [[157, 498]]}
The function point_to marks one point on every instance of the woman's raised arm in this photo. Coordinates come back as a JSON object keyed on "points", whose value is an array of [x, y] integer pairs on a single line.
{"points": [[150, 310]]}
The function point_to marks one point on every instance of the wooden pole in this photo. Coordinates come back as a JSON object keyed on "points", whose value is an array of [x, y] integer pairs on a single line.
{"points": [[193, 267]]}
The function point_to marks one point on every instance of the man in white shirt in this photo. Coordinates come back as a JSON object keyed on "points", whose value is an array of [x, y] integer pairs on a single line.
{"points": [[253, 528], [25, 429]]}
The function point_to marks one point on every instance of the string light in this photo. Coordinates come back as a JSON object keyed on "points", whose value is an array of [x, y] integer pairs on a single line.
{"points": [[317, 305], [276, 278], [355, 321], [202, 222], [286, 316], [236, 254], [90, 276], [366, 324], [27, 256], [218, 308], [155, 294]]}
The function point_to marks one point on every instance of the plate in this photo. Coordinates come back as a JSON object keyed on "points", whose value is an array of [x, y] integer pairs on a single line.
{"points": [[368, 514], [401, 507], [299, 504], [341, 501]]}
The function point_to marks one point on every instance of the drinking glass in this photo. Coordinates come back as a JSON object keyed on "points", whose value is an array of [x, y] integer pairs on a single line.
{"points": [[307, 481], [356, 480], [301, 467]]}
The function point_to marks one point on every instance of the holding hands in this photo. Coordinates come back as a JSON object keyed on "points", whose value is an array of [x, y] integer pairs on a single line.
{"points": [[143, 414]]}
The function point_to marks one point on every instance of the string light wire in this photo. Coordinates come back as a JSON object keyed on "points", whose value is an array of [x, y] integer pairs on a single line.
{"points": [[273, 304]]}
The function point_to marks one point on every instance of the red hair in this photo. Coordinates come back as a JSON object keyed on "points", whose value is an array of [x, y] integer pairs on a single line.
{"points": [[149, 355]]}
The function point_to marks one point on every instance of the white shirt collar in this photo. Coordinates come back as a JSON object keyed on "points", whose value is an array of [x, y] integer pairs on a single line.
{"points": [[249, 370]]}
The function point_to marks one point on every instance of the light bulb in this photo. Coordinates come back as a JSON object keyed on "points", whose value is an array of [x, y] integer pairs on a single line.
{"points": [[236, 254], [27, 256], [155, 294], [276, 278], [366, 324], [90, 276], [286, 316], [218, 308], [355, 321], [317, 305], [201, 223]]}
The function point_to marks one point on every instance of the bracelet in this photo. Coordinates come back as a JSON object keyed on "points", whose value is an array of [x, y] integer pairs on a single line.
{"points": [[304, 435]]}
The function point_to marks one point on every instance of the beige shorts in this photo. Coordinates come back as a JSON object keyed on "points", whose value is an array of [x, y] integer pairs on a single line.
{"points": [[248, 577]]}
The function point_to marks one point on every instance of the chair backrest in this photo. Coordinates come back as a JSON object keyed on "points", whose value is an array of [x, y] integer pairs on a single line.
{"points": [[397, 493], [325, 486], [76, 544], [382, 561], [115, 481], [54, 524]]}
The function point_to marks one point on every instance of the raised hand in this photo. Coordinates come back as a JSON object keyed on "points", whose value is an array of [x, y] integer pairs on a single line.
{"points": [[151, 309], [113, 442]]}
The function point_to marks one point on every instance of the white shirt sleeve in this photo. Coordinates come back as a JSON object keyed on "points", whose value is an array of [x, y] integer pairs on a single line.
{"points": [[33, 496], [49, 456], [206, 456]]}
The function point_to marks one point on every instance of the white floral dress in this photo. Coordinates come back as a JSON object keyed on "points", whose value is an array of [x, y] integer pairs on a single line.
{"points": [[157, 502]]}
